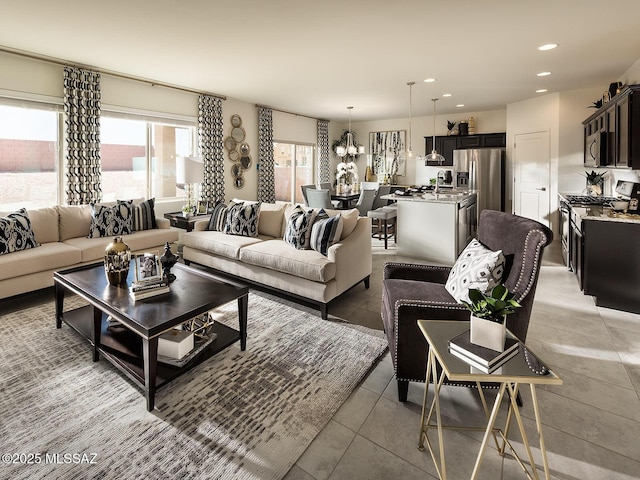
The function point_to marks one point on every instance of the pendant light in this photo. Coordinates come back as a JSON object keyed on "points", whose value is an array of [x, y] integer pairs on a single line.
{"points": [[350, 148], [409, 154], [434, 156]]}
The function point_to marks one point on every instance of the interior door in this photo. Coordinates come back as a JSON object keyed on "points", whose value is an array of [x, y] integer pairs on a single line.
{"points": [[531, 190]]}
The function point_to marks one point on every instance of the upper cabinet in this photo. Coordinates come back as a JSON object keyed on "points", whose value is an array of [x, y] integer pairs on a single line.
{"points": [[445, 145], [612, 133]]}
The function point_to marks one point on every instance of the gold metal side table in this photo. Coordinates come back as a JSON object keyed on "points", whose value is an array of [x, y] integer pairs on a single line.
{"points": [[516, 371]]}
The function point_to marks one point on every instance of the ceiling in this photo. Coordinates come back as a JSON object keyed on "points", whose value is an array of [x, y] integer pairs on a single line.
{"points": [[316, 57]]}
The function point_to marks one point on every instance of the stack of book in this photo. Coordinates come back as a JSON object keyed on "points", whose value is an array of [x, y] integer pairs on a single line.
{"points": [[482, 358], [148, 288]]}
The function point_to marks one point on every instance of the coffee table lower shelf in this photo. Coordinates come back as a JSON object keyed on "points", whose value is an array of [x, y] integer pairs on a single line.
{"points": [[123, 348]]}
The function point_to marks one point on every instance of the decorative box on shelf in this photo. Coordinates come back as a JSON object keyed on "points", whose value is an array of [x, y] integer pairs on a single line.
{"points": [[175, 344]]}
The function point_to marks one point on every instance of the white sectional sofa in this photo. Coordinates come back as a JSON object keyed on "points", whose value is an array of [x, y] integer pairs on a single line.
{"points": [[270, 263], [62, 233]]}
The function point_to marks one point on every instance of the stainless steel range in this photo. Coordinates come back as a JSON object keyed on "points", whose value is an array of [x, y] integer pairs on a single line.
{"points": [[571, 228], [583, 200]]}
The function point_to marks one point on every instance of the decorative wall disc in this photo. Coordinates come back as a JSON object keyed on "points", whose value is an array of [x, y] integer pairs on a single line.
{"points": [[236, 121], [238, 182], [244, 149], [230, 144], [237, 133], [236, 170], [245, 162], [234, 155]]}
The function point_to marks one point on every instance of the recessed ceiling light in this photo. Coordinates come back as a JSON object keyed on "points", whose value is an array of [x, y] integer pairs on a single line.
{"points": [[542, 90], [460, 105], [429, 80], [544, 74], [446, 94], [547, 46]]}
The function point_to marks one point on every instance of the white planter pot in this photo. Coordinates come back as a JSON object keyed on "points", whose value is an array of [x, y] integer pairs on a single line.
{"points": [[488, 334]]}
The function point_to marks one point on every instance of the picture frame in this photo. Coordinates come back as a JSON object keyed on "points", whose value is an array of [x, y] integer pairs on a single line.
{"points": [[201, 208], [387, 150], [147, 267]]}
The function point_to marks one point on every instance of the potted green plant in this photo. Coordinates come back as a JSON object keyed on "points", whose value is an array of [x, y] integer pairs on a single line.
{"points": [[488, 316], [595, 180]]}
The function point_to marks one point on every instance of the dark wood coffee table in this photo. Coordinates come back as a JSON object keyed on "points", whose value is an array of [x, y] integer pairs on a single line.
{"points": [[134, 349]]}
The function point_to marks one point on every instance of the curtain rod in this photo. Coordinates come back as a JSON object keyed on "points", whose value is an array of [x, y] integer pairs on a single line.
{"points": [[56, 61], [291, 113]]}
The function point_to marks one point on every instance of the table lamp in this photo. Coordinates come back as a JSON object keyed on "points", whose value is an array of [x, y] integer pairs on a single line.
{"points": [[189, 171]]}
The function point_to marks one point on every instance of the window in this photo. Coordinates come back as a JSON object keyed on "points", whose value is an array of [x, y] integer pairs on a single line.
{"points": [[138, 157], [293, 168], [29, 155]]}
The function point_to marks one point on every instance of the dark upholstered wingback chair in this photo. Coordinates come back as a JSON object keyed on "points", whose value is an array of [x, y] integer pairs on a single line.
{"points": [[411, 292]]}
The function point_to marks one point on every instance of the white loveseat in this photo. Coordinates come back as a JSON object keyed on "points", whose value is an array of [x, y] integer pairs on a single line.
{"points": [[62, 233], [270, 263]]}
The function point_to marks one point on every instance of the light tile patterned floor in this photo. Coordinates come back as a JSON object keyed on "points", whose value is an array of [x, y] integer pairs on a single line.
{"points": [[590, 423]]}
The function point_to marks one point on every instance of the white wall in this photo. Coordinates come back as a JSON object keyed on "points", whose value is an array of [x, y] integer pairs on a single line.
{"points": [[538, 114]]}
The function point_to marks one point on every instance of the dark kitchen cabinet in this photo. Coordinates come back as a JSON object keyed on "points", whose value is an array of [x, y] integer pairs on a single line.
{"points": [[619, 123], [610, 258], [445, 145]]}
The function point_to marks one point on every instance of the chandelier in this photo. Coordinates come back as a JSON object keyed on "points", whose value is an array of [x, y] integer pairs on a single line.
{"points": [[434, 156], [350, 149]]}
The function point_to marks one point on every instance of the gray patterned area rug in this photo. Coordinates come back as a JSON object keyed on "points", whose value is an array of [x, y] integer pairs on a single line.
{"points": [[239, 415]]}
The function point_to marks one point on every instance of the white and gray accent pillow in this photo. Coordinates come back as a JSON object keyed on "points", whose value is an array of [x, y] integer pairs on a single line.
{"points": [[16, 233], [476, 267], [298, 230], [144, 216], [218, 218], [326, 231], [242, 219], [107, 221]]}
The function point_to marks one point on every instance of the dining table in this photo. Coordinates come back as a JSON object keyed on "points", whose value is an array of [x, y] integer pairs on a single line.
{"points": [[345, 199]]}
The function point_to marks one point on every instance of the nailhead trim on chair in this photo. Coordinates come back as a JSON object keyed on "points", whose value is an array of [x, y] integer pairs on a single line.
{"points": [[536, 260]]}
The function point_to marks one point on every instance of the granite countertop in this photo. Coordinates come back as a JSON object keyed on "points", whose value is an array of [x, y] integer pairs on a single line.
{"points": [[606, 214], [447, 196], [602, 213]]}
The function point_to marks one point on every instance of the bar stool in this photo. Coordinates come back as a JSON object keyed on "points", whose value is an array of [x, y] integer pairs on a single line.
{"points": [[383, 215]]}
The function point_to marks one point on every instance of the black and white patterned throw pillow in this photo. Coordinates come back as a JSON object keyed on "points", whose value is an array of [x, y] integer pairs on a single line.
{"points": [[107, 221], [218, 218], [476, 267], [298, 229], [144, 216], [242, 219], [326, 231], [16, 233]]}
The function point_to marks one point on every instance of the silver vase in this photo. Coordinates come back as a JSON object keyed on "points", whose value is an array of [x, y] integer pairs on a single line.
{"points": [[117, 258]]}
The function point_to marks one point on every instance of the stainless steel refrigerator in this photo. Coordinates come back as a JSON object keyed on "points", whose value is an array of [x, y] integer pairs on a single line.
{"points": [[482, 169]]}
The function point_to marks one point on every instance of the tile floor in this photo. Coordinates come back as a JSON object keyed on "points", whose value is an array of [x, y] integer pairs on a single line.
{"points": [[591, 424]]}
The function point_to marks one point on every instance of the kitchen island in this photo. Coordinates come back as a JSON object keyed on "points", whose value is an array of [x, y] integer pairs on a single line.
{"points": [[435, 226]]}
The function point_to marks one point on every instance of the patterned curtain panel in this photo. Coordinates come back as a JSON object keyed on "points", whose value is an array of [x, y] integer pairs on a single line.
{"points": [[82, 135], [266, 173], [210, 146], [323, 152]]}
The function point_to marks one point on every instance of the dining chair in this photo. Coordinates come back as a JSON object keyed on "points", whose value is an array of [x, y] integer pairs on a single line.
{"points": [[304, 189], [365, 201], [328, 186], [319, 198]]}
